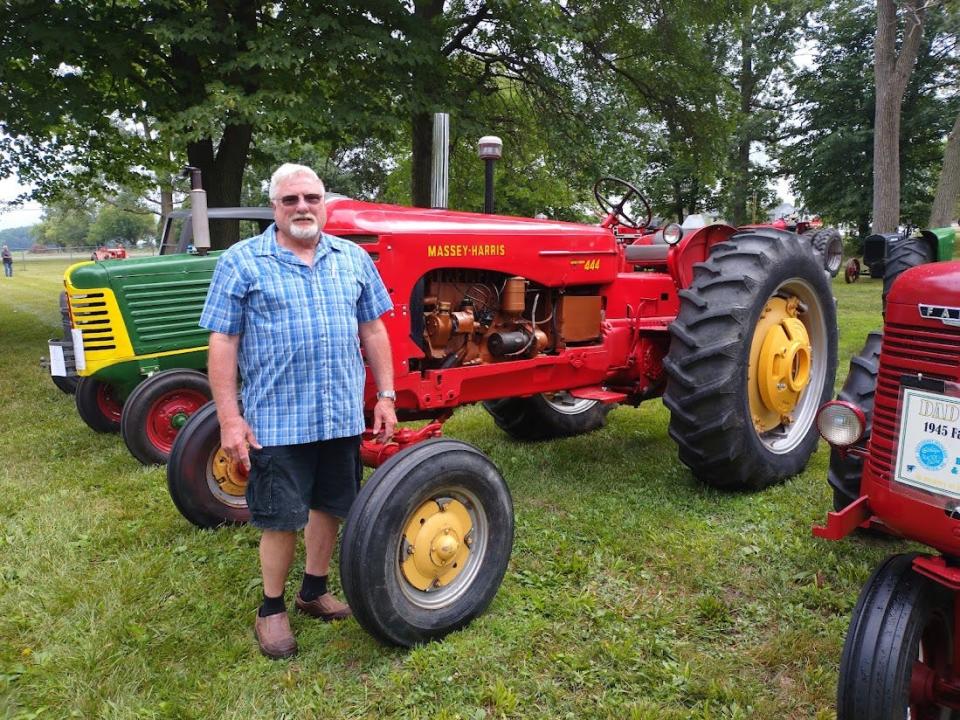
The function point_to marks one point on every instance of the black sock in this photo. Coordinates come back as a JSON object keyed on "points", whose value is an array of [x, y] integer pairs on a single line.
{"points": [[272, 605], [313, 586]]}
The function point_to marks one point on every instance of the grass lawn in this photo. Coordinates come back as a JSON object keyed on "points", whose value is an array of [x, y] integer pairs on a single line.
{"points": [[633, 591]]}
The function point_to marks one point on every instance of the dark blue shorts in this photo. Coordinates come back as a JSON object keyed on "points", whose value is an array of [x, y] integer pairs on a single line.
{"points": [[287, 481]]}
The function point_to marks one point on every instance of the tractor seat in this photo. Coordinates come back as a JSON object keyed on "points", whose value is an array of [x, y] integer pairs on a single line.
{"points": [[638, 254]]}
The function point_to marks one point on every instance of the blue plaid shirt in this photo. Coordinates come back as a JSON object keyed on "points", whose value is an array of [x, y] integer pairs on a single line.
{"points": [[299, 357]]}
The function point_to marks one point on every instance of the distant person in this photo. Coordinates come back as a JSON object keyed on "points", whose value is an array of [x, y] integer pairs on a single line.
{"points": [[7, 261], [292, 308]]}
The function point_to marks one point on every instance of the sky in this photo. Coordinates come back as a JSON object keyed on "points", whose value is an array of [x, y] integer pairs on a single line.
{"points": [[28, 214]]}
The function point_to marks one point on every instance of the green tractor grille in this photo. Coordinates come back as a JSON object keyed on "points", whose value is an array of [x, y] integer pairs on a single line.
{"points": [[164, 315]]}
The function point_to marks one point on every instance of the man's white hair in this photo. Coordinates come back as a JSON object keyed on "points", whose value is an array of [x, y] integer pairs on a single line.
{"points": [[288, 170]]}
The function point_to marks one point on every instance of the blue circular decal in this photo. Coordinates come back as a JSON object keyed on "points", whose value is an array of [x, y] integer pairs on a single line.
{"points": [[931, 454]]}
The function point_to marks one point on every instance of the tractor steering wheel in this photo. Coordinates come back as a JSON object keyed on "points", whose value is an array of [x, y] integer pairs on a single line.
{"points": [[620, 209]]}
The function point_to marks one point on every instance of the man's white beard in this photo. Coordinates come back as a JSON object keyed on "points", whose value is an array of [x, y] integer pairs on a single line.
{"points": [[305, 232]]}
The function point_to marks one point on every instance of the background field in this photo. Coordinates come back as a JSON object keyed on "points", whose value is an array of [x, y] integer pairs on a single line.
{"points": [[633, 591]]}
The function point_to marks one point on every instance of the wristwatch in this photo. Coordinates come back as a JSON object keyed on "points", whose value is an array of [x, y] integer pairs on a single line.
{"points": [[388, 394]]}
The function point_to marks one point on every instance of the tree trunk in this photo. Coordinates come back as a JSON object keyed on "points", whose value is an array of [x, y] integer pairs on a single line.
{"points": [[892, 73], [945, 203], [741, 179], [222, 175]]}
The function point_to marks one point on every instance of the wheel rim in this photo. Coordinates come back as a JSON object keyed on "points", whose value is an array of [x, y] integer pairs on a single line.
{"points": [[168, 414], [834, 257], [442, 547], [933, 660], [107, 403], [566, 404], [788, 366], [226, 479]]}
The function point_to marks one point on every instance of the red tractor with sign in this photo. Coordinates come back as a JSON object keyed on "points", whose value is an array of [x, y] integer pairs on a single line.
{"points": [[895, 466], [549, 324]]}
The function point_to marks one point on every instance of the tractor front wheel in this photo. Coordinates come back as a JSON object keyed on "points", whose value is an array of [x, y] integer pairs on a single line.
{"points": [[157, 409], [98, 405], [208, 488], [904, 255], [899, 642], [547, 416], [858, 389], [427, 541], [753, 355]]}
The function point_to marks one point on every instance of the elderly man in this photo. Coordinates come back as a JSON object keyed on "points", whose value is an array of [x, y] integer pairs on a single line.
{"points": [[291, 308]]}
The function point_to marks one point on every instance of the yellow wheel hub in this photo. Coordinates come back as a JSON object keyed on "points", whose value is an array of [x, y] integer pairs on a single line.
{"points": [[780, 359], [230, 476], [436, 544]]}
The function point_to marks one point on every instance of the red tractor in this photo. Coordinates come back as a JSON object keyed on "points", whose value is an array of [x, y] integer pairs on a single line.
{"points": [[549, 324], [895, 466], [108, 253]]}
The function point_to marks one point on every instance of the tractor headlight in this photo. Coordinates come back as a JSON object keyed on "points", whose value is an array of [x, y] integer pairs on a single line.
{"points": [[672, 234], [840, 423]]}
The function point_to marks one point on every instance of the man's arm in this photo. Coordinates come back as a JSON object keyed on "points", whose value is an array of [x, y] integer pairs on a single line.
{"points": [[235, 434], [376, 347]]}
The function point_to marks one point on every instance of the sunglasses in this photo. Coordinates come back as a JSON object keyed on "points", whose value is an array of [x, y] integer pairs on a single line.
{"points": [[294, 200]]}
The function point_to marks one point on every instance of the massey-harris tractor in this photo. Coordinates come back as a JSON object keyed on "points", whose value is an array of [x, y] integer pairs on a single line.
{"points": [[548, 324], [895, 466]]}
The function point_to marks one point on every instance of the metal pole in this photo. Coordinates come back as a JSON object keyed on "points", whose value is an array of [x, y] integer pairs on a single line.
{"points": [[440, 189], [488, 187]]}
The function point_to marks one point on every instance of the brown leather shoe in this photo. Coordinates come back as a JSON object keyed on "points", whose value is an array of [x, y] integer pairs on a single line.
{"points": [[326, 607], [274, 636]]}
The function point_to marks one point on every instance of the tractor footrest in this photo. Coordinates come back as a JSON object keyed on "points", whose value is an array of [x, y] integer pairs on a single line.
{"points": [[597, 392], [842, 523]]}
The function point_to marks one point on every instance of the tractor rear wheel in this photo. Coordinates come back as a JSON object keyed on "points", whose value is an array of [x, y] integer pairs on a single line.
{"points": [[753, 355], [904, 255], [547, 416], [858, 389], [900, 639], [829, 246], [208, 488], [157, 409], [427, 541], [98, 405]]}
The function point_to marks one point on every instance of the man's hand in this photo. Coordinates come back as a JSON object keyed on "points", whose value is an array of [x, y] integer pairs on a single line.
{"points": [[236, 438], [384, 420]]}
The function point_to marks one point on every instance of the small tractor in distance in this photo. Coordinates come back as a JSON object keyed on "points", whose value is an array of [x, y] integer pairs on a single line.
{"points": [[894, 432], [549, 324]]}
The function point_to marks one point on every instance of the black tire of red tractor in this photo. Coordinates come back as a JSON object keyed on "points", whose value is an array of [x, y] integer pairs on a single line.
{"points": [[897, 614], [543, 418], [382, 600], [188, 473], [708, 361], [828, 243], [140, 402], [90, 396], [859, 388], [903, 256]]}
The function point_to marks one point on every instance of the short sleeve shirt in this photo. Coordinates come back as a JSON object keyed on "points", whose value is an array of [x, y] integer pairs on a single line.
{"points": [[299, 356]]}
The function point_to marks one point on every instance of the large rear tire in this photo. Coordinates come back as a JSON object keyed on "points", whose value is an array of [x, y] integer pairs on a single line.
{"points": [[859, 388], [98, 405], [753, 355], [208, 489], [547, 416], [904, 255], [900, 636], [156, 410], [828, 244], [427, 541]]}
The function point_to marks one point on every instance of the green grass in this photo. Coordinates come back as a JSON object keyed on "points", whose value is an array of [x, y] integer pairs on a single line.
{"points": [[633, 591]]}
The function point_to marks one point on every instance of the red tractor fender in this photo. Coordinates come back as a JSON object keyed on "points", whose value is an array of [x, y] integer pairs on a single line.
{"points": [[695, 248]]}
